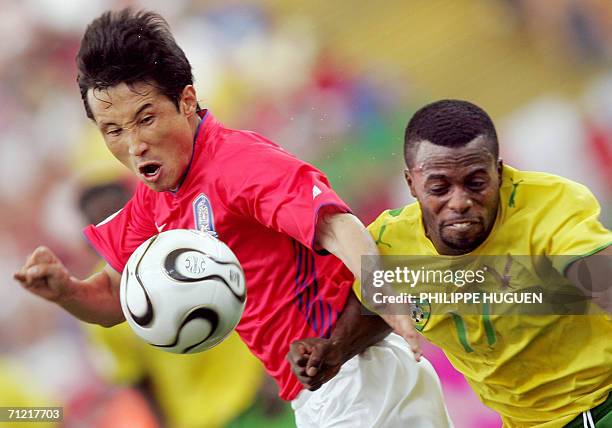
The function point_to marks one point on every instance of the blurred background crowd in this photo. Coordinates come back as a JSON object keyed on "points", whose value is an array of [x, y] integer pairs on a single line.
{"points": [[333, 82]]}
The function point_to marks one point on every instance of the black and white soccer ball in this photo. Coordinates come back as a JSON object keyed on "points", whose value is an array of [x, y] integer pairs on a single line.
{"points": [[183, 291]]}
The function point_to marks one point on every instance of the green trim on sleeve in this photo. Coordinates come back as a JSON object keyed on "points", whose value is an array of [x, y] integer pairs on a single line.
{"points": [[396, 212], [590, 253], [379, 240], [511, 200]]}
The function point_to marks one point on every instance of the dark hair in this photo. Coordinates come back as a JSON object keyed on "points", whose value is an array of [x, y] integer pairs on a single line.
{"points": [[449, 123], [130, 46]]}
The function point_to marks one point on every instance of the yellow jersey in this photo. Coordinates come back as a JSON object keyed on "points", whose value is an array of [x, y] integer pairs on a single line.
{"points": [[533, 370]]}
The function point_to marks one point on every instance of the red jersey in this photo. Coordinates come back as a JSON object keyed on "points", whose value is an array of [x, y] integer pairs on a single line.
{"points": [[263, 203]]}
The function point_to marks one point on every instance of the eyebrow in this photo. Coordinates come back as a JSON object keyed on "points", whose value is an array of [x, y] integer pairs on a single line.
{"points": [[445, 177], [436, 177], [142, 108]]}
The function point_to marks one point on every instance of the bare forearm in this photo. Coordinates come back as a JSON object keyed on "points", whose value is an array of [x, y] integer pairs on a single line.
{"points": [[346, 237], [357, 329], [94, 300]]}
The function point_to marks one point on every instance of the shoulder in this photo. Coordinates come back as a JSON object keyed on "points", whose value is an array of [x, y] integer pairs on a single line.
{"points": [[399, 231], [406, 216], [540, 190], [236, 141], [245, 156], [216, 138]]}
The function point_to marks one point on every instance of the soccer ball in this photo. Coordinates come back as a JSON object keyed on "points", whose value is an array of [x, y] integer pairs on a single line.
{"points": [[183, 291]]}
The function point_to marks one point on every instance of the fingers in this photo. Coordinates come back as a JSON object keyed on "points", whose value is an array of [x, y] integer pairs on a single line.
{"points": [[298, 354], [298, 358], [403, 325], [324, 375], [409, 333], [415, 346], [40, 255], [42, 272], [46, 279], [314, 361], [307, 359]]}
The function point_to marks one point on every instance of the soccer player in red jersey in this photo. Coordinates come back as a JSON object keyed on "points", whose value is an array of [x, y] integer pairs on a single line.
{"points": [[278, 214]]}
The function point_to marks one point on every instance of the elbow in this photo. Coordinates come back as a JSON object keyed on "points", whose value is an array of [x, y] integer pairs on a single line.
{"points": [[108, 324], [112, 321]]}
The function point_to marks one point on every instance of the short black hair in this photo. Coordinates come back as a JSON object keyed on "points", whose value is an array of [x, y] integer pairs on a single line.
{"points": [[130, 46], [449, 123]]}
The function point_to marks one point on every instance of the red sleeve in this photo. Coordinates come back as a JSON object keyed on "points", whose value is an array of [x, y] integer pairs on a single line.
{"points": [[116, 238], [277, 189]]}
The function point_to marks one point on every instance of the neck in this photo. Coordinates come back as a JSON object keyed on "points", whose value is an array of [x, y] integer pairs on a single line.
{"points": [[194, 122]]}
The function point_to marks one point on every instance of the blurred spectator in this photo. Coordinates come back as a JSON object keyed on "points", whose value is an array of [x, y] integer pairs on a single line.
{"points": [[578, 30]]}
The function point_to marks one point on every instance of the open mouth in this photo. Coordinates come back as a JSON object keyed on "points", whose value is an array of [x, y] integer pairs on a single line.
{"points": [[150, 170]]}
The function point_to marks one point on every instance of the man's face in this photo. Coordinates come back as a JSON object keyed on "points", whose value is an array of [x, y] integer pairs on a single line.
{"points": [[458, 190], [144, 130]]}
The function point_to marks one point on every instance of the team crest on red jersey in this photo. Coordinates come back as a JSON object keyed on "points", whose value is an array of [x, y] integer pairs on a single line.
{"points": [[203, 214]]}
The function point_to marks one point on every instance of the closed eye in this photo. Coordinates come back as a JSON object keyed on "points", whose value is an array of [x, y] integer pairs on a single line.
{"points": [[438, 190], [477, 185]]}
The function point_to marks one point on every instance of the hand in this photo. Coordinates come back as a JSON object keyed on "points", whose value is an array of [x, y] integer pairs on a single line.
{"points": [[44, 275], [314, 361], [404, 326]]}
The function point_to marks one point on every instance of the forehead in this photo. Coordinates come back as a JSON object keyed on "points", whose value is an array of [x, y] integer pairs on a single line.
{"points": [[432, 159], [120, 99]]}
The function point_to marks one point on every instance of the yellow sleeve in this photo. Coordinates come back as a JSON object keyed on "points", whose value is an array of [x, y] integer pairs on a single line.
{"points": [[573, 227]]}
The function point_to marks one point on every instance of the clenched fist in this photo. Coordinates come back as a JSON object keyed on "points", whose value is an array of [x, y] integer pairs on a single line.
{"points": [[44, 275], [314, 361]]}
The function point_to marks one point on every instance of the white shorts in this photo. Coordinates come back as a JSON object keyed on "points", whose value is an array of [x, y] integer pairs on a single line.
{"points": [[382, 387]]}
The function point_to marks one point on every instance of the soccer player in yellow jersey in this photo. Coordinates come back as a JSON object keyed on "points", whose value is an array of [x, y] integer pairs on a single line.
{"points": [[534, 370]]}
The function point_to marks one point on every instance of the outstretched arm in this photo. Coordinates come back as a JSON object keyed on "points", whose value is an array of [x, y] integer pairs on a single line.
{"points": [[93, 300], [346, 237], [316, 360]]}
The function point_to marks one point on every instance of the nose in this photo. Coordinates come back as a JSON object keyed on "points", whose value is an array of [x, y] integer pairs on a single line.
{"points": [[460, 201], [136, 147]]}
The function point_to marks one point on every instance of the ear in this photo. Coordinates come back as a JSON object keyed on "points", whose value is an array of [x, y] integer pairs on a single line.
{"points": [[500, 170], [188, 102], [410, 182]]}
